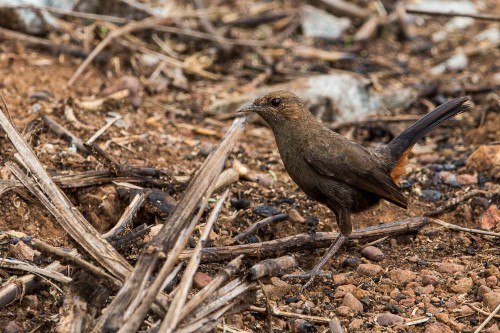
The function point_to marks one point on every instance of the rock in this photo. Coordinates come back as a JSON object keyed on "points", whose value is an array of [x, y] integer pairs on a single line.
{"points": [[355, 325], [31, 301], [449, 178], [462, 286], [430, 280], [466, 179], [348, 93], [339, 279], [370, 270], [464, 6], [492, 329], [278, 289], [491, 300], [297, 325], [490, 219], [295, 217], [456, 62], [318, 23], [429, 289], [372, 253], [481, 291], [485, 159], [352, 262], [200, 280], [438, 328], [353, 303], [449, 267], [389, 319], [430, 195], [344, 311], [341, 291], [12, 327], [492, 35], [402, 276]]}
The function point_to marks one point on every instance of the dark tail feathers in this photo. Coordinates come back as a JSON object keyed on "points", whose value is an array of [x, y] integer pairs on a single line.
{"points": [[399, 145]]}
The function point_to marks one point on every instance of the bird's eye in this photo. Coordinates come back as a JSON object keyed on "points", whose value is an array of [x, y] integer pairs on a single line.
{"points": [[276, 102]]}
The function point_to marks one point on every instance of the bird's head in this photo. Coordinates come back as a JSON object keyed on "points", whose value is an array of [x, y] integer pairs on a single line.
{"points": [[278, 107]]}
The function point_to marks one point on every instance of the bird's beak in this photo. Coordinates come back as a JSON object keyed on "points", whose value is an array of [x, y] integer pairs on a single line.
{"points": [[250, 108]]}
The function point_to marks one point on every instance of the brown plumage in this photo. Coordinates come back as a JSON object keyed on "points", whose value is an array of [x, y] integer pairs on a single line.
{"points": [[335, 171]]}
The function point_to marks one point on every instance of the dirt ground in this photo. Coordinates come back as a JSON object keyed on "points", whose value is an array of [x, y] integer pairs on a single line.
{"points": [[448, 279]]}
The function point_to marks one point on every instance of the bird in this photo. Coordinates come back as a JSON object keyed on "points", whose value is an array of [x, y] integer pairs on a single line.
{"points": [[335, 171]]}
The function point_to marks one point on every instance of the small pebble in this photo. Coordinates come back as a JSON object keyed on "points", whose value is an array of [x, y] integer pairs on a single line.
{"points": [[355, 325], [430, 280], [12, 327], [492, 329], [462, 285], [491, 300], [353, 303], [200, 280], [294, 216], [344, 311], [402, 276], [352, 262], [389, 319], [372, 253], [370, 270], [490, 219], [481, 291], [240, 203], [466, 179], [430, 195], [438, 328], [450, 267], [449, 178]]}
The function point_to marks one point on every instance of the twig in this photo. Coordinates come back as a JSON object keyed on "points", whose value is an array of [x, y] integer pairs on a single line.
{"points": [[63, 210], [224, 275], [459, 228], [147, 23], [278, 313], [481, 311], [272, 267], [204, 322], [305, 241], [103, 129], [487, 320], [345, 8], [455, 202], [172, 317], [209, 28], [479, 16], [258, 225], [16, 264], [127, 216], [417, 321], [169, 238], [64, 133]]}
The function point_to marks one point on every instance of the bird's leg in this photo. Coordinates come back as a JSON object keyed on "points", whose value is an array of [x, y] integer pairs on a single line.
{"points": [[344, 223]]}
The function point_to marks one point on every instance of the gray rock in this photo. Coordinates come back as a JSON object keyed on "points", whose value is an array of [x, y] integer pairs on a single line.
{"points": [[318, 23]]}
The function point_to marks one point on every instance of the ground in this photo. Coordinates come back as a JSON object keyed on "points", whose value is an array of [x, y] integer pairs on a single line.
{"points": [[437, 274]]}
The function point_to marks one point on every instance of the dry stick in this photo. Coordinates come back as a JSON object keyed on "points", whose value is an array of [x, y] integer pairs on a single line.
{"points": [[479, 16], [456, 201], [227, 273], [459, 228], [63, 210], [306, 241], [278, 313], [103, 129], [204, 322], [147, 23], [72, 314], [127, 216], [344, 7], [74, 258], [167, 236], [481, 311], [487, 320], [64, 133], [258, 225], [17, 264], [45, 43], [209, 28], [173, 315]]}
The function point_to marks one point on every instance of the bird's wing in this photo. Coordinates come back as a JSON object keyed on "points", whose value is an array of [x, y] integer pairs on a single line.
{"points": [[352, 164]]}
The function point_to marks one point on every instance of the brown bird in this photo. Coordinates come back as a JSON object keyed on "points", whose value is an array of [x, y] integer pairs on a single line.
{"points": [[335, 171]]}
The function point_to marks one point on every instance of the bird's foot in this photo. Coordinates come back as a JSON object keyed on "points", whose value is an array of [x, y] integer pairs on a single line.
{"points": [[310, 276]]}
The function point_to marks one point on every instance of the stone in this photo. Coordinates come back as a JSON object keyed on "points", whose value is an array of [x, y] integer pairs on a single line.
{"points": [[200, 280], [402, 276], [370, 270], [481, 291], [492, 281], [341, 291], [318, 23], [344, 311], [462, 286], [450, 267], [466, 179], [295, 217], [278, 289], [438, 328], [31, 301], [430, 280], [485, 159], [449, 178], [355, 325], [491, 300], [430, 195], [389, 319], [12, 327], [490, 219], [429, 289], [492, 329], [353, 303], [372, 253]]}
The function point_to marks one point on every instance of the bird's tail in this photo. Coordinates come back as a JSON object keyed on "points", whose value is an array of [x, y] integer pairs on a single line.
{"points": [[401, 145]]}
